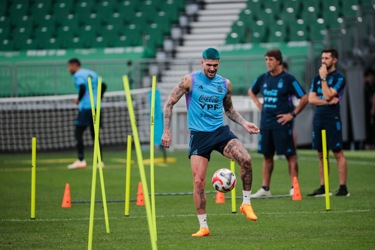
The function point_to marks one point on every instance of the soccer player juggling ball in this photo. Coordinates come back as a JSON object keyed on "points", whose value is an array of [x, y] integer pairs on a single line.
{"points": [[206, 95], [84, 118]]}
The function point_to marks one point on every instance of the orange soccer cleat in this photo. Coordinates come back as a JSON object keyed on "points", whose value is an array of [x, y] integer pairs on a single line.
{"points": [[247, 210], [202, 232]]}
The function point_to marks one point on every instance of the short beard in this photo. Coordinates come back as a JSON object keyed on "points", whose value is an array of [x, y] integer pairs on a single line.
{"points": [[329, 67]]}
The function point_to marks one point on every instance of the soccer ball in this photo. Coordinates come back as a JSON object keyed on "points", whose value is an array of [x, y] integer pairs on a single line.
{"points": [[224, 180]]}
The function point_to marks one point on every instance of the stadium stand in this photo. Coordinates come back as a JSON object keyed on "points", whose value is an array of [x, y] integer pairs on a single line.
{"points": [[42, 24], [291, 20]]}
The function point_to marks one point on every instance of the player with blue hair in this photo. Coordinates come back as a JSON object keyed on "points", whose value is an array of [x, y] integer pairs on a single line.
{"points": [[207, 94]]}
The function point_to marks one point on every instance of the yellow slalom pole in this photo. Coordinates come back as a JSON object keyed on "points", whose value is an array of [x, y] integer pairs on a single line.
{"points": [[233, 192], [95, 160], [128, 171], [325, 165], [33, 177], [96, 119], [152, 154], [140, 161]]}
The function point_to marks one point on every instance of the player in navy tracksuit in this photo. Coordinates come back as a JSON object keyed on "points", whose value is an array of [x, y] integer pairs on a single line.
{"points": [[326, 92], [278, 112]]}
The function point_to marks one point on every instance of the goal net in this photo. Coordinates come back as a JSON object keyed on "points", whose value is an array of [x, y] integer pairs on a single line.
{"points": [[51, 119]]}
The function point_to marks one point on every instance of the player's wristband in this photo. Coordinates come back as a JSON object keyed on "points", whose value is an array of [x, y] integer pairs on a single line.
{"points": [[293, 114]]}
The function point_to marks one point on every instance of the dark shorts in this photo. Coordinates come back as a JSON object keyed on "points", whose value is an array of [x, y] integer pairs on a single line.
{"points": [[203, 143], [84, 118], [279, 140], [333, 128]]}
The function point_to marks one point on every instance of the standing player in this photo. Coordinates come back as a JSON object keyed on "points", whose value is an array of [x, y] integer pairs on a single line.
{"points": [[206, 95], [326, 91], [278, 112], [84, 118]]}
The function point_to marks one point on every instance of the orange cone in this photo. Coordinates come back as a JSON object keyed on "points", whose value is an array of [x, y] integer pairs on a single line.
{"points": [[66, 202], [220, 198], [140, 197], [297, 192]]}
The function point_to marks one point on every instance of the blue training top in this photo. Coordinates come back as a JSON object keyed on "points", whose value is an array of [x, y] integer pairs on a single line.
{"points": [[277, 97], [336, 81], [80, 78], [204, 102]]}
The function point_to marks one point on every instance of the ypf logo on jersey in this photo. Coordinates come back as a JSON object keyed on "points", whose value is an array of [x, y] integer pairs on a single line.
{"points": [[209, 102]]}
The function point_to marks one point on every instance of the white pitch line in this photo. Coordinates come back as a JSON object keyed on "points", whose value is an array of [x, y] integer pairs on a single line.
{"points": [[185, 215]]}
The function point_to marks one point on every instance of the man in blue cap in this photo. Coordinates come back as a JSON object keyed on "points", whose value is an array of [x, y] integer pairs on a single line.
{"points": [[206, 95]]}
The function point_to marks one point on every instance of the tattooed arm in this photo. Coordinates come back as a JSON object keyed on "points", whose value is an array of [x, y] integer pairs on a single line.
{"points": [[177, 92], [234, 115]]}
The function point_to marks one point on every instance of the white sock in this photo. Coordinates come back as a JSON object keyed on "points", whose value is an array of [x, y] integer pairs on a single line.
{"points": [[246, 197], [202, 220]]}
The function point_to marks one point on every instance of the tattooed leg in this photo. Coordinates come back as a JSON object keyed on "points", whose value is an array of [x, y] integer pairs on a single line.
{"points": [[199, 168], [236, 151]]}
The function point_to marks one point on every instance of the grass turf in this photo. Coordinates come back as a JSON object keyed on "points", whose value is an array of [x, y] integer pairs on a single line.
{"points": [[282, 224]]}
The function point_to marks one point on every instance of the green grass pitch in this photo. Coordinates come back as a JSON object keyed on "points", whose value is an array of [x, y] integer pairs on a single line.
{"points": [[282, 223]]}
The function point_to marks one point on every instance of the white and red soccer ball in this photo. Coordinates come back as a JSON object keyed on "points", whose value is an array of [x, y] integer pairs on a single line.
{"points": [[224, 180]]}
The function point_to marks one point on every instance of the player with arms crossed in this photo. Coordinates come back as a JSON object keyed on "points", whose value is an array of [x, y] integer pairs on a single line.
{"points": [[326, 92], [84, 118], [278, 112], [206, 95]]}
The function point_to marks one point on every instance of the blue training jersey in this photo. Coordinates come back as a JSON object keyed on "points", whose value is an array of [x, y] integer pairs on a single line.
{"points": [[204, 102], [336, 81], [277, 94], [80, 78]]}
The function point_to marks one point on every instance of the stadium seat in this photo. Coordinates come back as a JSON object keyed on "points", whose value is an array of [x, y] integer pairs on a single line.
{"points": [[232, 38], [41, 7], [254, 6], [19, 6], [246, 16], [277, 33], [83, 6], [331, 19], [294, 5], [106, 8], [62, 8], [267, 15], [349, 8], [6, 45], [4, 32], [274, 5], [173, 8], [140, 19], [116, 20], [45, 20], [311, 5], [148, 8], [88, 35], [91, 19], [258, 32], [70, 21], [162, 19], [154, 37], [317, 31], [297, 31], [126, 8]]}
